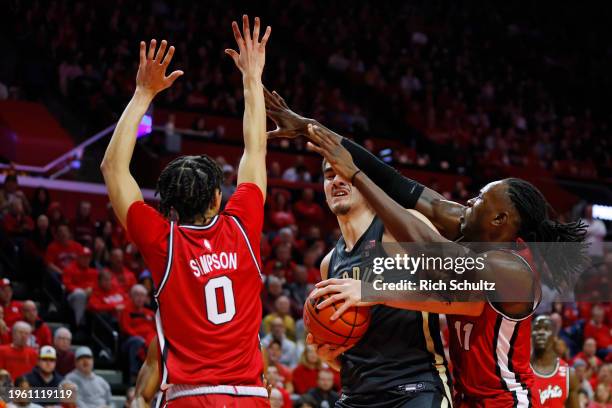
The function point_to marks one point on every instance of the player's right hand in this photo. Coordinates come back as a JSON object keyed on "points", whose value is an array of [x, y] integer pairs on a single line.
{"points": [[288, 123], [251, 57], [327, 353]]}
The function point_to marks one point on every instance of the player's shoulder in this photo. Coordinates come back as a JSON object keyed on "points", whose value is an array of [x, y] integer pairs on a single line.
{"points": [[325, 263]]}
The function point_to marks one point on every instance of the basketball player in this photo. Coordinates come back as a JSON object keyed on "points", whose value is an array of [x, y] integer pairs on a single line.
{"points": [[506, 211], [490, 352], [556, 384], [399, 362], [206, 265]]}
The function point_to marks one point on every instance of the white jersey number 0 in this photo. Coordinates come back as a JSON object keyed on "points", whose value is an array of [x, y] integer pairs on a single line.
{"points": [[210, 293]]}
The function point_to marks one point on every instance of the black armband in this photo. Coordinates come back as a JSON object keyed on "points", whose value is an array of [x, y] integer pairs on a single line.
{"points": [[404, 191]]}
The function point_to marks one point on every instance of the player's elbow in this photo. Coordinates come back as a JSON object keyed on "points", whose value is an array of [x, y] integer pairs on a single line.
{"points": [[106, 166]]}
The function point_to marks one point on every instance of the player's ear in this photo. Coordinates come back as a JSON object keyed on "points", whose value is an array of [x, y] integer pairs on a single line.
{"points": [[216, 203], [500, 219]]}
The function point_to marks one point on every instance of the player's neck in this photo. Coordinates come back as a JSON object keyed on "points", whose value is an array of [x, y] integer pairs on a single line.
{"points": [[545, 360], [353, 225]]}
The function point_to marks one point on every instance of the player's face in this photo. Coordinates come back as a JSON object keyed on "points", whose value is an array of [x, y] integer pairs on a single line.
{"points": [[340, 195], [481, 216], [542, 333]]}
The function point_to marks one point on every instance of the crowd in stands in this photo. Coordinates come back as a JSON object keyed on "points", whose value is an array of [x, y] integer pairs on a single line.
{"points": [[459, 84], [94, 272]]}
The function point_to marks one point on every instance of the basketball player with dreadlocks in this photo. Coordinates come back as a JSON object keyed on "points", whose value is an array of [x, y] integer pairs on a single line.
{"points": [[491, 341], [205, 264], [556, 384]]}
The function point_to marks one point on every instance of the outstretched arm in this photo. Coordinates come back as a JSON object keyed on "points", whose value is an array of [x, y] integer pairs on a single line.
{"points": [[148, 380], [150, 80], [250, 60], [407, 192]]}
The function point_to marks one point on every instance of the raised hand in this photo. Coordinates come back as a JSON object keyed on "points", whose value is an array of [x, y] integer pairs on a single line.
{"points": [[151, 77], [252, 53], [288, 123], [324, 142]]}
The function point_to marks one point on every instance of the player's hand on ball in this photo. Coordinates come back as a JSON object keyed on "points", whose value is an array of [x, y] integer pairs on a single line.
{"points": [[346, 290], [251, 57], [327, 145], [288, 123], [151, 77], [327, 353]]}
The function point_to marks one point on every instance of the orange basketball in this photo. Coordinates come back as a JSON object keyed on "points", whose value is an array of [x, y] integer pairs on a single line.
{"points": [[346, 331]]}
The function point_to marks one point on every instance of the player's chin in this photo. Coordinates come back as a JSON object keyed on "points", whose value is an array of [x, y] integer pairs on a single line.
{"points": [[340, 208]]}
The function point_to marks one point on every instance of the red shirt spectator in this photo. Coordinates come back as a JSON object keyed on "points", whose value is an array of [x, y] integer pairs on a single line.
{"points": [[106, 297], [12, 308], [597, 329], [281, 265], [17, 358], [587, 354], [41, 333], [306, 372], [314, 273], [16, 222], [5, 331], [308, 212], [83, 226], [78, 274], [136, 319], [122, 276], [62, 251], [280, 214]]}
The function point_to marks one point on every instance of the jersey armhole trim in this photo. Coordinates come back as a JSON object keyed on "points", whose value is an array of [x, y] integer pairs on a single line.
{"points": [[246, 238], [169, 261]]}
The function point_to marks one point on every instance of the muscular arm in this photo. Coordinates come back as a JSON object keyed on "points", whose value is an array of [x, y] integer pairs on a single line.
{"points": [[148, 380]]}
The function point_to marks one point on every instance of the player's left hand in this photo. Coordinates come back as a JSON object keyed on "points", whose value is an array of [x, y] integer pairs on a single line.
{"points": [[328, 146], [252, 56], [346, 290], [327, 352], [151, 77]]}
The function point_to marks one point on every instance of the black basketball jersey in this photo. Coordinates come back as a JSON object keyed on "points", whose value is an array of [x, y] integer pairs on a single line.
{"points": [[401, 347]]}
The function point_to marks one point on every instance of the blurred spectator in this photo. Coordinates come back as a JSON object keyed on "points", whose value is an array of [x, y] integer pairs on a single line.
{"points": [[80, 279], [280, 214], [602, 398], [276, 399], [41, 334], [228, 186], [62, 251], [22, 402], [323, 393], [583, 374], [92, 390], [597, 329], [589, 348], [277, 334], [596, 232], [101, 255], [298, 172], [56, 216], [272, 289], [137, 323], [273, 355], [5, 381], [62, 340], [17, 358], [282, 307], [44, 374], [84, 227], [41, 236], [5, 331], [281, 265], [11, 190], [122, 276], [306, 372], [299, 289], [16, 222], [40, 202], [130, 394], [12, 308], [106, 297], [307, 211], [310, 260]]}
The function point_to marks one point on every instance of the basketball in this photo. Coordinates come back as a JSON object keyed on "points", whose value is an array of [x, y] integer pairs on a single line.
{"points": [[346, 331]]}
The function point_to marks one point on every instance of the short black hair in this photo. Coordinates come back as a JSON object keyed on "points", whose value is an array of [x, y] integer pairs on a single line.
{"points": [[188, 185], [537, 226]]}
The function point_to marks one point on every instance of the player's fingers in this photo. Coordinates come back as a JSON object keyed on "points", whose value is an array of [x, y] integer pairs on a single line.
{"points": [[310, 339], [314, 148], [238, 36], [152, 46], [339, 350], [174, 76], [280, 100], [246, 30], [331, 300], [161, 50], [332, 281], [343, 308], [143, 53], [264, 40], [233, 54], [168, 57], [256, 30], [273, 134]]}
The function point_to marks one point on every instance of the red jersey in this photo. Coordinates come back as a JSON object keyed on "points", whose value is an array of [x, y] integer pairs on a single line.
{"points": [[208, 281], [490, 355], [18, 361], [62, 255], [76, 277], [552, 389], [138, 322], [12, 313]]}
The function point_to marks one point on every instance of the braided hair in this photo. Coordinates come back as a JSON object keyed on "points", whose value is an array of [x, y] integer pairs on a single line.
{"points": [[565, 261], [188, 185]]}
